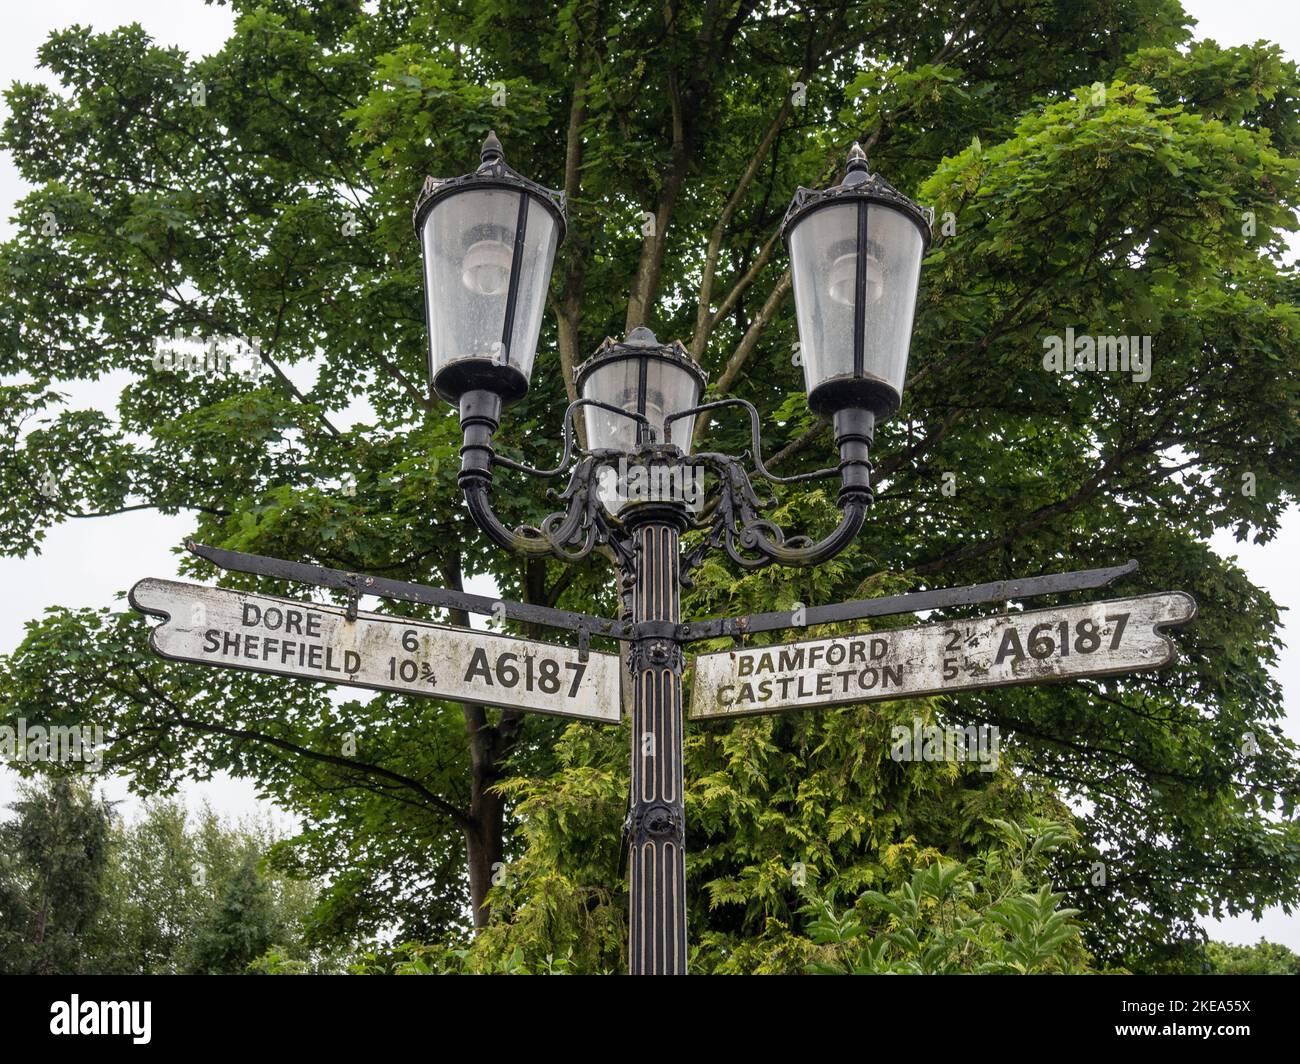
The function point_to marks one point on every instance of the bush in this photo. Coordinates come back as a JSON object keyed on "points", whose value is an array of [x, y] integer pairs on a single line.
{"points": [[993, 914]]}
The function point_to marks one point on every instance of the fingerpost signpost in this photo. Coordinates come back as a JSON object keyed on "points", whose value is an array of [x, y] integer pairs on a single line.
{"points": [[1095, 639], [634, 489], [316, 642]]}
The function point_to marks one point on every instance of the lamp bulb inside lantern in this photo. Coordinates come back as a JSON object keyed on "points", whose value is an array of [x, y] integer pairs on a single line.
{"points": [[844, 277], [485, 270]]}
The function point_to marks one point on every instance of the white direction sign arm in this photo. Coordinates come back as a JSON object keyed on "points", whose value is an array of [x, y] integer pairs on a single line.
{"points": [[236, 629], [1091, 639]]}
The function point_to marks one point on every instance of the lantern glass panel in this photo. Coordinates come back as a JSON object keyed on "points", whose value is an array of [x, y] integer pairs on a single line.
{"points": [[668, 389], [671, 388], [469, 254], [825, 256], [895, 248], [615, 383], [823, 290]]}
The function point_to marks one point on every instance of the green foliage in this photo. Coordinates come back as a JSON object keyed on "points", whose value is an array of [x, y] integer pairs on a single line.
{"points": [[416, 959], [239, 929], [1263, 958], [978, 917], [779, 803], [84, 892], [53, 854], [561, 897], [169, 884]]}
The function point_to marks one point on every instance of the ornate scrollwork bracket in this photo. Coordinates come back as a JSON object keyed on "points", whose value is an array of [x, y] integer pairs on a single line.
{"points": [[570, 534], [733, 519]]}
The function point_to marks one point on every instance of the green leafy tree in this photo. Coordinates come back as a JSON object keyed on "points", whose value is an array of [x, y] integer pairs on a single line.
{"points": [[168, 875], [52, 857], [1089, 169], [241, 927], [1263, 958], [152, 898], [953, 918]]}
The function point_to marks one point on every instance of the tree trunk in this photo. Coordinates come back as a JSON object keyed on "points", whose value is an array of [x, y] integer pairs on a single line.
{"points": [[483, 845], [489, 744]]}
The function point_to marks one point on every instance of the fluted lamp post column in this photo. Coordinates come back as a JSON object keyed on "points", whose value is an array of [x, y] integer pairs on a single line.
{"points": [[657, 382]]}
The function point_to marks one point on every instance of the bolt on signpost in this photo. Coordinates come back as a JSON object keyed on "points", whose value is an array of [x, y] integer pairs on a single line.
{"points": [[488, 241]]}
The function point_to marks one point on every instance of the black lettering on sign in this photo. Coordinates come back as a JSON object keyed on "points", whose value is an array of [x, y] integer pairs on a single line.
{"points": [[507, 674], [1121, 622], [478, 667], [578, 667], [1010, 646], [535, 674]]}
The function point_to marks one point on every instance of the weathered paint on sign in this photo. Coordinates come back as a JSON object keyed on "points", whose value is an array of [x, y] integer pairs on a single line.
{"points": [[217, 626], [1092, 639]]}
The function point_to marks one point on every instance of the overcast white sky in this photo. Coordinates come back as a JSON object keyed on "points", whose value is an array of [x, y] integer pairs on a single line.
{"points": [[88, 563]]}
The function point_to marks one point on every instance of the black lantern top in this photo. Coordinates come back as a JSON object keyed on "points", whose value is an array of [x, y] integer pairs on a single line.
{"points": [[493, 172], [858, 183]]}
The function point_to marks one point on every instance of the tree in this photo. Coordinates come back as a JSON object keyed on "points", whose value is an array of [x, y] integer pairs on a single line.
{"points": [[168, 883], [953, 919], [1263, 958], [86, 892], [152, 894], [241, 927], [1090, 171], [52, 855]]}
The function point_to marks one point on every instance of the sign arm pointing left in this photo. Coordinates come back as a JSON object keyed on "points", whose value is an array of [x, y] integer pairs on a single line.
{"points": [[311, 641]]}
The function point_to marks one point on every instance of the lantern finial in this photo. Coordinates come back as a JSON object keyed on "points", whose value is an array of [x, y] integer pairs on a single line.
{"points": [[491, 151], [857, 160]]}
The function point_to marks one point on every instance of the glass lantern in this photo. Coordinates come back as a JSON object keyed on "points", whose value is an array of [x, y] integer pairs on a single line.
{"points": [[643, 377], [488, 242], [855, 254]]}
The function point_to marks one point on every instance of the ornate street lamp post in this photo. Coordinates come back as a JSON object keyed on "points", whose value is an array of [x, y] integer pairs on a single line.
{"points": [[488, 241]]}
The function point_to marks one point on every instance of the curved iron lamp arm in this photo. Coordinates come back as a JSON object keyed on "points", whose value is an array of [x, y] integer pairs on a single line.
{"points": [[532, 471], [570, 534], [736, 523], [756, 442], [751, 540]]}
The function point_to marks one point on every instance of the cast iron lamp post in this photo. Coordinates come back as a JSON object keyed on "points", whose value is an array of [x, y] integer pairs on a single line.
{"points": [[488, 240]]}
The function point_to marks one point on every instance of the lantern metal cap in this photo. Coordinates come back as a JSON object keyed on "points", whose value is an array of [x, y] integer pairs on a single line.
{"points": [[493, 172], [858, 183], [640, 343]]}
